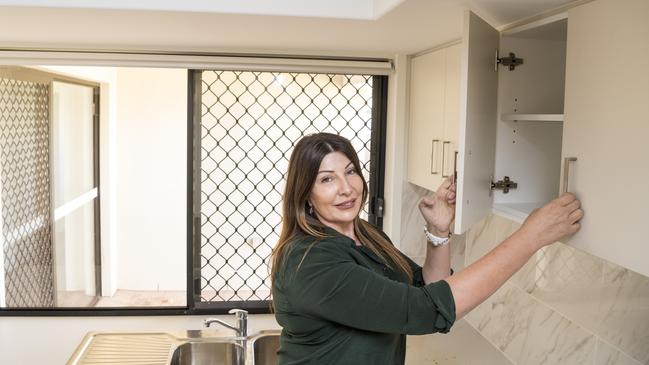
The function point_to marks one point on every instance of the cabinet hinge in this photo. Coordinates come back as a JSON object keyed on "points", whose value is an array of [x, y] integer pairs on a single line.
{"points": [[510, 61], [505, 184]]}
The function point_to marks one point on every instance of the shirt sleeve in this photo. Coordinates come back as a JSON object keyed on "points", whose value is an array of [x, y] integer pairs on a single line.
{"points": [[417, 272], [329, 284]]}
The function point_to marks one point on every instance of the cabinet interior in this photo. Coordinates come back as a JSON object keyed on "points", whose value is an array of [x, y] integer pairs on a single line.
{"points": [[530, 114]]}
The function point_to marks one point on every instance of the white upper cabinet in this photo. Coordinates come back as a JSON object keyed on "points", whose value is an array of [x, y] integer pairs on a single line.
{"points": [[433, 119], [577, 91], [477, 115], [607, 128]]}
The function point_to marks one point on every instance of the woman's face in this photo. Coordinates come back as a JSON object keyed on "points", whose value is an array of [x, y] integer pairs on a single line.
{"points": [[337, 193]]}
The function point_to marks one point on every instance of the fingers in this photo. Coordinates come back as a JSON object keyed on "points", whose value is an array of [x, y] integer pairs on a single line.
{"points": [[566, 198], [447, 195], [575, 213], [576, 216], [574, 205], [450, 196], [447, 190], [451, 190], [574, 228]]}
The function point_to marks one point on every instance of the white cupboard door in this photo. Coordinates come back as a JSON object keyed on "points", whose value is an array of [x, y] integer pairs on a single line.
{"points": [[426, 119], [478, 115], [451, 109], [606, 128]]}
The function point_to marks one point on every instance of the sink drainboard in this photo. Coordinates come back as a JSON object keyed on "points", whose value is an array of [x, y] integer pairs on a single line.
{"points": [[152, 349]]}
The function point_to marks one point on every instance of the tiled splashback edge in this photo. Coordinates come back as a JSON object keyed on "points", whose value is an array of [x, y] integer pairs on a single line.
{"points": [[564, 306]]}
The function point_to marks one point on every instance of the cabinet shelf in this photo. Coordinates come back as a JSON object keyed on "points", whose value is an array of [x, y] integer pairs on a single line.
{"points": [[533, 117]]}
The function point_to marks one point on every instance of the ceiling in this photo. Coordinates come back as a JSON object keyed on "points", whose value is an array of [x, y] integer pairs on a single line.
{"points": [[556, 31], [368, 28], [341, 9]]}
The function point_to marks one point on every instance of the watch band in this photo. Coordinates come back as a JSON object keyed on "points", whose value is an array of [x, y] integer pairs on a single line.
{"points": [[434, 240]]}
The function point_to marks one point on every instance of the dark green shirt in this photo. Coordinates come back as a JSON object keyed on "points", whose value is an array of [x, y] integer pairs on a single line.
{"points": [[345, 306]]}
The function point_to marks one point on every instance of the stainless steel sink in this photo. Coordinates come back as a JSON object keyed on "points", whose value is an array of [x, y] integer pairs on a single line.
{"points": [[206, 353], [177, 348], [264, 348]]}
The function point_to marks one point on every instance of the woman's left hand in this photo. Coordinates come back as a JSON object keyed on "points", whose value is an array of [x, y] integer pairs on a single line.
{"points": [[439, 209]]}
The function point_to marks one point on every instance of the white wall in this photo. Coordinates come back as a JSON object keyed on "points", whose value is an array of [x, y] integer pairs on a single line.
{"points": [[152, 178]]}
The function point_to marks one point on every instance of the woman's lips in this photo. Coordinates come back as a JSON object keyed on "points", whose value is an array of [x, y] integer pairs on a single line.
{"points": [[346, 205]]}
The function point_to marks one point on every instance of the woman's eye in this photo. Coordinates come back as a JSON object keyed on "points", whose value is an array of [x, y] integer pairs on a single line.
{"points": [[326, 179], [351, 171]]}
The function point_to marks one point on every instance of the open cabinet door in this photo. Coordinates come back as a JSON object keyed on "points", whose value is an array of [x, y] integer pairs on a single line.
{"points": [[478, 116]]}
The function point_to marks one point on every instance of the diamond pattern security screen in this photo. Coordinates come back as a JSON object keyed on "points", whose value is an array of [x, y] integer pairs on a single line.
{"points": [[249, 123], [25, 193]]}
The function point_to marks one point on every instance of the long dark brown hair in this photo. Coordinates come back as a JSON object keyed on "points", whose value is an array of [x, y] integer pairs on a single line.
{"points": [[296, 221]]}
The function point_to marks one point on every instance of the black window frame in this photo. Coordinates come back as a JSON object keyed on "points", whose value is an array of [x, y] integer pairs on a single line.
{"points": [[375, 216]]}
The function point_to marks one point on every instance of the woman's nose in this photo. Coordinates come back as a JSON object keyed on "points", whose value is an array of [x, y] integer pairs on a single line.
{"points": [[345, 187]]}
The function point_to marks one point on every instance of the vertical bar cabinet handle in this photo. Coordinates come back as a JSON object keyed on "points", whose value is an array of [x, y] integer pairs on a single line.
{"points": [[433, 165], [566, 172], [446, 143], [455, 168]]}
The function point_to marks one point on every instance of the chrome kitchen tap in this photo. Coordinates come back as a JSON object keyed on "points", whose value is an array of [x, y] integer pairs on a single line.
{"points": [[241, 328]]}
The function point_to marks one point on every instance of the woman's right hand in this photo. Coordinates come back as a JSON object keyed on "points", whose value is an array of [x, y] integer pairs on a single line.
{"points": [[555, 220]]}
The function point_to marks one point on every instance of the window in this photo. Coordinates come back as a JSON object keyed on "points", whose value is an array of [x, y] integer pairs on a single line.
{"points": [[245, 126], [49, 235], [241, 127]]}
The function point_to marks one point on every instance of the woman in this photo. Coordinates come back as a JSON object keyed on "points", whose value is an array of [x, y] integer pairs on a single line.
{"points": [[345, 295]]}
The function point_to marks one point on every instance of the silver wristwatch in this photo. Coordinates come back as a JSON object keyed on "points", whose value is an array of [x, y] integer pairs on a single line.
{"points": [[434, 240]]}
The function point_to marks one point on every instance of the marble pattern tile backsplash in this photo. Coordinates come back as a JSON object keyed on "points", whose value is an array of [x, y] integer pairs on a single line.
{"points": [[529, 332], [461, 346], [412, 241], [564, 306]]}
